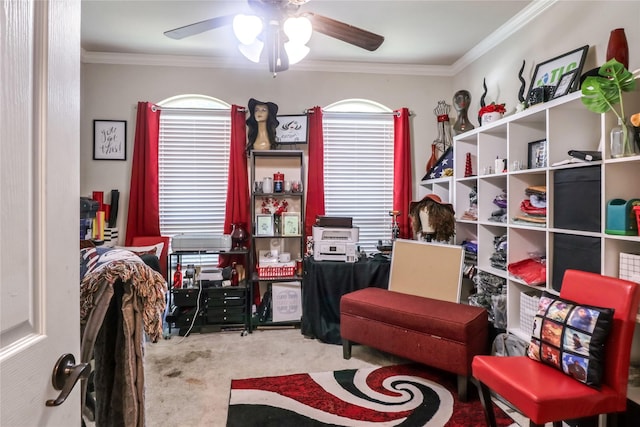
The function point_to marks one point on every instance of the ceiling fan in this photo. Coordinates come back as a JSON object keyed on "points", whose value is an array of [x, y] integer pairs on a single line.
{"points": [[271, 28]]}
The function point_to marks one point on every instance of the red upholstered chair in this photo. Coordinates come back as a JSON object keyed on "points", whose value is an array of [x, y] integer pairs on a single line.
{"points": [[154, 240], [545, 394]]}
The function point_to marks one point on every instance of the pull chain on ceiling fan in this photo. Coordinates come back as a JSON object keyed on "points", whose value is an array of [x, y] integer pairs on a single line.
{"points": [[278, 27]]}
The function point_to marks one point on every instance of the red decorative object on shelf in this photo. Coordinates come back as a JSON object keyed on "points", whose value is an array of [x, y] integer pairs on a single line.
{"points": [[467, 166], [238, 235], [618, 47], [433, 159]]}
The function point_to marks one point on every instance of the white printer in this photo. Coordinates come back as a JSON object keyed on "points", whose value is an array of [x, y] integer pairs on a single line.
{"points": [[335, 243]]}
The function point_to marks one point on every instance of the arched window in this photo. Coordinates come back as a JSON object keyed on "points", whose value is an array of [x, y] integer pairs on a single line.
{"points": [[358, 166], [193, 164]]}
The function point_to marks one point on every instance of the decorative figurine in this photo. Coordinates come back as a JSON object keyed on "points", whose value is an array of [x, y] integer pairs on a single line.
{"points": [[262, 124], [395, 227], [523, 102], [444, 139], [177, 277], [461, 101], [482, 103]]}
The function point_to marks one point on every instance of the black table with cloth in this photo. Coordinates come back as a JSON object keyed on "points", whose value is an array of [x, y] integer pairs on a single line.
{"points": [[325, 282]]}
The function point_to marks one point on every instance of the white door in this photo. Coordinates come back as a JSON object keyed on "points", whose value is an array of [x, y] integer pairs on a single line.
{"points": [[39, 207]]}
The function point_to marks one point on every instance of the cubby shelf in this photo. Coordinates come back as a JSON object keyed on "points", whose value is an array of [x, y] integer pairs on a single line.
{"points": [[564, 124]]}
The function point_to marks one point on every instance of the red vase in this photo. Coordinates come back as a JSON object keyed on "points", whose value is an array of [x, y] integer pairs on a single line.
{"points": [[238, 235], [433, 159], [618, 47]]}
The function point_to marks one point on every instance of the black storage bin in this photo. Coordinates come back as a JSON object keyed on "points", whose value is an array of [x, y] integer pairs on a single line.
{"points": [[577, 199], [576, 253]]}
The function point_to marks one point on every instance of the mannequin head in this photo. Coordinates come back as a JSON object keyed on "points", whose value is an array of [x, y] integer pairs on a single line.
{"points": [[461, 100], [261, 114], [431, 219]]}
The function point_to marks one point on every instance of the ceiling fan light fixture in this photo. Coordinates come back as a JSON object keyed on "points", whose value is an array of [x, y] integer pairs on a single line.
{"points": [[252, 51], [298, 30], [296, 52], [246, 28]]}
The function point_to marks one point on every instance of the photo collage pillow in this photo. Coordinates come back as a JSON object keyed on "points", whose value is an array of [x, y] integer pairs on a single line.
{"points": [[570, 337]]}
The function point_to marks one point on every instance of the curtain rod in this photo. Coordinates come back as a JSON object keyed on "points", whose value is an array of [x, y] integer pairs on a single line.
{"points": [[360, 113], [158, 107]]}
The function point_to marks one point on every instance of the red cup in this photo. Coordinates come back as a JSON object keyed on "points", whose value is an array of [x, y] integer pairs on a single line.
{"points": [[299, 267]]}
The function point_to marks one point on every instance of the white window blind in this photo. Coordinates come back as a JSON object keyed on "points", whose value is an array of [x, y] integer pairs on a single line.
{"points": [[358, 172], [193, 170]]}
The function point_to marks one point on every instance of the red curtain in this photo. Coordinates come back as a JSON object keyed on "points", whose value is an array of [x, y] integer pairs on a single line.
{"points": [[402, 181], [315, 176], [143, 217], [237, 209]]}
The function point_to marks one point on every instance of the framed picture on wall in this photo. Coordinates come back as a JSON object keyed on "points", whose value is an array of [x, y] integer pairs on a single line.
{"points": [[290, 224], [264, 225], [292, 130], [109, 140]]}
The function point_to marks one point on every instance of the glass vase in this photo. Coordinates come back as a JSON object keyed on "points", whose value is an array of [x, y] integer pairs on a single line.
{"points": [[617, 47], [238, 235], [622, 141], [277, 224], [433, 159]]}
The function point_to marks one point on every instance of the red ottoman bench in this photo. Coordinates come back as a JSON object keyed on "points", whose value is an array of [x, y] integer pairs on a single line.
{"points": [[442, 334]]}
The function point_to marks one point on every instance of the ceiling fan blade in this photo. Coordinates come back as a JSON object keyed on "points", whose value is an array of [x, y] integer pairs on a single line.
{"points": [[345, 32], [199, 27]]}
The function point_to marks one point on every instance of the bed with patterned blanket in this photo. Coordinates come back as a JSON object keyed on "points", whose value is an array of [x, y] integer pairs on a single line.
{"points": [[121, 300]]}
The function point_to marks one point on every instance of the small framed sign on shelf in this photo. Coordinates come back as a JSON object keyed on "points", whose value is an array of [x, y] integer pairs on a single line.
{"points": [[109, 140], [290, 224], [264, 225], [565, 84], [537, 154]]}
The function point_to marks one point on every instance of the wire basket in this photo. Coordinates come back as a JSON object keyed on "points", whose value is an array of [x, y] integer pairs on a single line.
{"points": [[276, 270], [528, 309]]}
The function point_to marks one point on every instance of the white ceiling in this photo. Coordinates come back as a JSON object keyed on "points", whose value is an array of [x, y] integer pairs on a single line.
{"points": [[417, 32]]}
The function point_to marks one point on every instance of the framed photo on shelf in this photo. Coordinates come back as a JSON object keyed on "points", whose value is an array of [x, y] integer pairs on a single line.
{"points": [[548, 73], [537, 154], [292, 130], [264, 225], [290, 223], [565, 84], [109, 140]]}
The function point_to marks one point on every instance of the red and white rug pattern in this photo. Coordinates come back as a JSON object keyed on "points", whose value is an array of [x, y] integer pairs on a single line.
{"points": [[401, 395]]}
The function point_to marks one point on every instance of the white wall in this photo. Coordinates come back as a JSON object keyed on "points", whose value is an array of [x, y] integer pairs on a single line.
{"points": [[112, 91], [565, 26]]}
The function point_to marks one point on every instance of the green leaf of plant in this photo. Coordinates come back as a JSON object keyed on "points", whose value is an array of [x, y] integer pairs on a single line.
{"points": [[601, 93], [598, 95]]}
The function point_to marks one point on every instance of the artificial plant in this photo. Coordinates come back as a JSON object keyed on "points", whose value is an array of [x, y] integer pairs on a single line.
{"points": [[600, 94]]}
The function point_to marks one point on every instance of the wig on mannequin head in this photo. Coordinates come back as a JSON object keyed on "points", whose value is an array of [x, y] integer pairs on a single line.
{"points": [[441, 218], [252, 124]]}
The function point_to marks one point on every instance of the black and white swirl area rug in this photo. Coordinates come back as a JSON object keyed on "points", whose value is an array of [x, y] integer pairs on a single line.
{"points": [[402, 395]]}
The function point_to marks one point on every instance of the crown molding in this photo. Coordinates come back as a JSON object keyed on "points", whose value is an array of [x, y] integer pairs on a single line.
{"points": [[207, 62], [516, 23]]}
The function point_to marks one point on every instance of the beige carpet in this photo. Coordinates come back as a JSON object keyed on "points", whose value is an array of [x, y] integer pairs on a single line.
{"points": [[188, 378]]}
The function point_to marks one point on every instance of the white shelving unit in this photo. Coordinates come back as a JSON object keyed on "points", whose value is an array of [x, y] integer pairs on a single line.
{"points": [[565, 124], [441, 187]]}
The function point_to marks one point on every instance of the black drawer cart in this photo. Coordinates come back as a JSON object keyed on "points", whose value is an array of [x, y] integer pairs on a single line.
{"points": [[206, 306]]}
